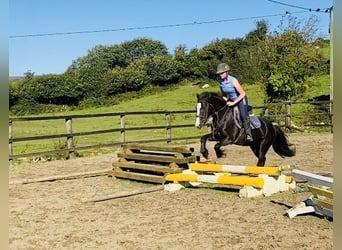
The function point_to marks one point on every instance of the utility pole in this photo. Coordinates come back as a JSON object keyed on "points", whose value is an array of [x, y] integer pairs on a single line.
{"points": [[331, 32]]}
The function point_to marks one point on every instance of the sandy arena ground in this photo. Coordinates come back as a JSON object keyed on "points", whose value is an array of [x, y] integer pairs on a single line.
{"points": [[51, 215]]}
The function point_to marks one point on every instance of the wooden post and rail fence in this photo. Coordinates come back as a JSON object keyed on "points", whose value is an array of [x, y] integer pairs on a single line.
{"points": [[70, 135]]}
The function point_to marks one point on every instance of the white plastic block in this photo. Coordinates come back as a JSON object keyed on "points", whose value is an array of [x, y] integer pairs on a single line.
{"points": [[300, 208], [271, 185], [250, 192], [171, 187]]}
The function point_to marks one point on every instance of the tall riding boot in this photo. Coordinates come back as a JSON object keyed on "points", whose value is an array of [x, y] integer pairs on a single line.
{"points": [[247, 127]]}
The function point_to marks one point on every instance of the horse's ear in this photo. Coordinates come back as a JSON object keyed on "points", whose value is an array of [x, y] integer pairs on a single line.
{"points": [[197, 95]]}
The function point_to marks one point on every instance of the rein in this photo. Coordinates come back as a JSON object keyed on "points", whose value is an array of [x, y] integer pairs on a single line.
{"points": [[212, 106], [223, 107]]}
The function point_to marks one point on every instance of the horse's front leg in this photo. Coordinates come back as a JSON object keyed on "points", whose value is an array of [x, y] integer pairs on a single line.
{"points": [[203, 149]]}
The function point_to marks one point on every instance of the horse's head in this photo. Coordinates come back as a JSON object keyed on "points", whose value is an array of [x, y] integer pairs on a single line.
{"points": [[207, 104]]}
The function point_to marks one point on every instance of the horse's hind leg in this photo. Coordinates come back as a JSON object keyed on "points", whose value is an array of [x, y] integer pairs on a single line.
{"points": [[260, 152], [218, 150], [255, 149], [261, 161]]}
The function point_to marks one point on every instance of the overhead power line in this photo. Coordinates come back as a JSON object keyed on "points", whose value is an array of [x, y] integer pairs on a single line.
{"points": [[303, 8], [150, 27]]}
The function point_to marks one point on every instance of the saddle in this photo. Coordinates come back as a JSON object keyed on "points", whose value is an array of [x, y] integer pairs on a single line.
{"points": [[254, 120]]}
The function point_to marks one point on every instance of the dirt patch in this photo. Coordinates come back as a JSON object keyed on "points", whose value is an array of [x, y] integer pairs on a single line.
{"points": [[50, 215]]}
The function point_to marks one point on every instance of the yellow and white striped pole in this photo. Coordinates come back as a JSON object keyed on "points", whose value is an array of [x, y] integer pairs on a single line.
{"points": [[210, 167], [252, 186], [220, 178]]}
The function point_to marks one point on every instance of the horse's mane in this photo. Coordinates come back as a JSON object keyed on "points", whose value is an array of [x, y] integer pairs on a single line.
{"points": [[207, 94]]}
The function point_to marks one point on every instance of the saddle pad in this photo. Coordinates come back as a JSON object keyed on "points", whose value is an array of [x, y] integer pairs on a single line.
{"points": [[255, 122]]}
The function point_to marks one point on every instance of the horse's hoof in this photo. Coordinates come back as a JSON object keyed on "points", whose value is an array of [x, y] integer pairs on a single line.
{"points": [[204, 160]]}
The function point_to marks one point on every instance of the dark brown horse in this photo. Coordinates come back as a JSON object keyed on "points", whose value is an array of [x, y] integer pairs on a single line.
{"points": [[227, 129]]}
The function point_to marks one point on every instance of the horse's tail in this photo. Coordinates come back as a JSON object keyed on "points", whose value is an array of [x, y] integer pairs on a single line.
{"points": [[281, 145]]}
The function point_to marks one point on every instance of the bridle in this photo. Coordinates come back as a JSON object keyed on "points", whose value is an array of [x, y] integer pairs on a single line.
{"points": [[207, 110], [205, 116]]}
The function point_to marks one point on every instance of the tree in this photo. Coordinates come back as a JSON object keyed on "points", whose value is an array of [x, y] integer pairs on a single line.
{"points": [[193, 65], [162, 69], [121, 80], [13, 92], [259, 34], [249, 59], [49, 89], [93, 74], [143, 47], [180, 56], [289, 58], [225, 50], [103, 56]]}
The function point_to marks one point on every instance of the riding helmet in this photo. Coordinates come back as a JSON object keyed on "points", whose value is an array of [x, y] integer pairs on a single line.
{"points": [[222, 67]]}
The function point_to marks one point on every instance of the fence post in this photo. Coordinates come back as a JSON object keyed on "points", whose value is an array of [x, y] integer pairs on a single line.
{"points": [[288, 116], [331, 117], [331, 123], [168, 127], [122, 128], [10, 144], [70, 137]]}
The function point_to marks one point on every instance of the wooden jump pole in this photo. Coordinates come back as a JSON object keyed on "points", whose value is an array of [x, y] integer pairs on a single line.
{"points": [[125, 194], [63, 177]]}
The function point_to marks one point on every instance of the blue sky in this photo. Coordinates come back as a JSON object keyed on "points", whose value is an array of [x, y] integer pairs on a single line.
{"points": [[37, 28]]}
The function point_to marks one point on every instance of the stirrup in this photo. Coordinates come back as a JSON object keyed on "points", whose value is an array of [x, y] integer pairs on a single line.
{"points": [[249, 138]]}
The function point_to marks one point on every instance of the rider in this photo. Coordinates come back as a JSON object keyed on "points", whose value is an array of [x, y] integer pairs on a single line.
{"points": [[234, 94]]}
